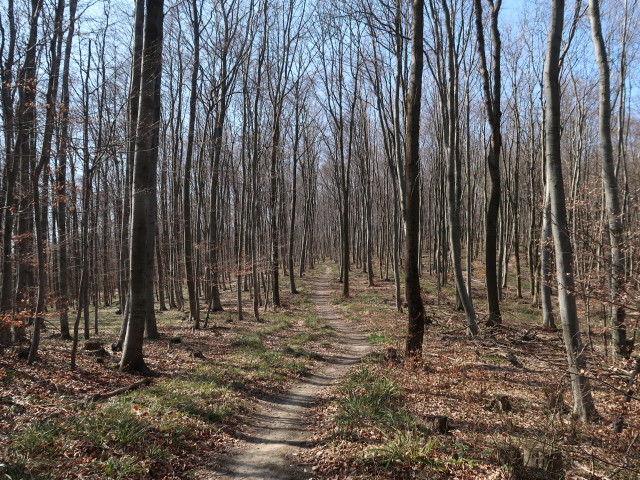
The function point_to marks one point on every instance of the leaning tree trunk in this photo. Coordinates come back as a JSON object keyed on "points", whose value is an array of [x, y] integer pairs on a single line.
{"points": [[610, 184], [583, 406]]}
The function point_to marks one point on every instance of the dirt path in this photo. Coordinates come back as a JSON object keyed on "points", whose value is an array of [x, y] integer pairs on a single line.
{"points": [[279, 428]]}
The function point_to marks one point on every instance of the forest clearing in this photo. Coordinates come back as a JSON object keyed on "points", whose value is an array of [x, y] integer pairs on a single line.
{"points": [[298, 239]]}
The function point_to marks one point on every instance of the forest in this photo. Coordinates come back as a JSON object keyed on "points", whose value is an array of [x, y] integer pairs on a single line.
{"points": [[319, 239]]}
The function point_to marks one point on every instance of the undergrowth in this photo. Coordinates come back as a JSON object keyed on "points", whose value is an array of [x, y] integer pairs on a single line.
{"points": [[371, 412], [141, 434]]}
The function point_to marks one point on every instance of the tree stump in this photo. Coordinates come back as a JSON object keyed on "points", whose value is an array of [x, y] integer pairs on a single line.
{"points": [[544, 457], [500, 403], [89, 345], [98, 352], [439, 424], [507, 454]]}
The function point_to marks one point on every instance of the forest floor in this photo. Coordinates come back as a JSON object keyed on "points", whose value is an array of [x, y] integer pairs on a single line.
{"points": [[496, 406], [469, 409], [277, 433]]}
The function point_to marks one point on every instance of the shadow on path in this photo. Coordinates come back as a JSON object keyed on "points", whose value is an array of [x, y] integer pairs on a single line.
{"points": [[279, 428]]}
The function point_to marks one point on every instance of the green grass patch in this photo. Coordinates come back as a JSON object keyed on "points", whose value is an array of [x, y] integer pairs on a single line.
{"points": [[300, 352], [278, 323], [114, 428], [523, 312], [317, 323], [370, 399], [125, 436], [403, 448], [371, 413], [378, 338], [123, 467], [249, 342], [39, 438], [494, 359]]}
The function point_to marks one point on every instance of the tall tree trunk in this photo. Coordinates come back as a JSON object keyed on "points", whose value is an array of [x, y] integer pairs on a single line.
{"points": [[492, 107], [415, 306], [55, 52], [583, 406], [25, 153], [11, 170], [194, 307], [610, 185], [143, 193], [132, 124], [273, 206], [216, 304], [61, 181], [294, 191], [454, 179]]}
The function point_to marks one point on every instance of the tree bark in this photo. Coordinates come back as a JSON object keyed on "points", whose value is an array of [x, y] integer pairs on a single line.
{"points": [[143, 193], [453, 173], [55, 51], [415, 307], [583, 406], [546, 249], [492, 107], [61, 181], [194, 307], [11, 169], [25, 153], [294, 191], [132, 124], [610, 185]]}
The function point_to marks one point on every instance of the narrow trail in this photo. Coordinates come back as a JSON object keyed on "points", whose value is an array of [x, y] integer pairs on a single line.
{"points": [[279, 427]]}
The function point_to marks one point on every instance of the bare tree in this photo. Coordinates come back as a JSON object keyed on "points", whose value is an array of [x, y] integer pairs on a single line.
{"points": [[583, 406], [61, 179], [610, 185], [143, 193], [194, 307], [415, 307], [55, 52], [450, 97], [491, 93]]}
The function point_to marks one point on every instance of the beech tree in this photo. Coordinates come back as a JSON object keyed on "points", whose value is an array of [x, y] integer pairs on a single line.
{"points": [[295, 132], [610, 184], [144, 185], [583, 406], [61, 179], [491, 89], [194, 306], [415, 307]]}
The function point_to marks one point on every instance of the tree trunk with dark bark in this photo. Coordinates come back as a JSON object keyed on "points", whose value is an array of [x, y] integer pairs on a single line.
{"points": [[494, 114], [415, 307], [143, 193], [194, 307]]}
